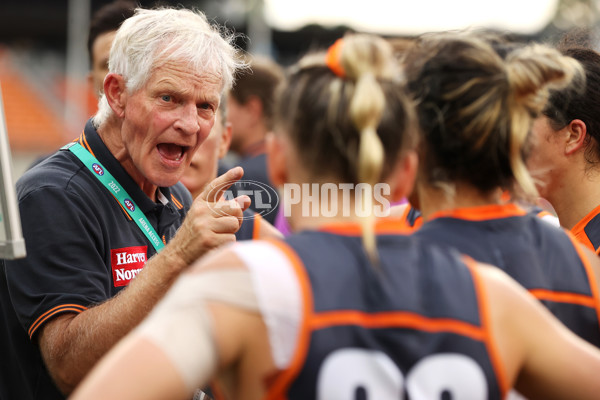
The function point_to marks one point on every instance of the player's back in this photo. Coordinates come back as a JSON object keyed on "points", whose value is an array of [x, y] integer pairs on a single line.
{"points": [[410, 324], [541, 257]]}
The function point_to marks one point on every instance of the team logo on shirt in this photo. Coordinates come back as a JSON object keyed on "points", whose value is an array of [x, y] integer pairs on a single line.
{"points": [[98, 169], [126, 263], [129, 205]]}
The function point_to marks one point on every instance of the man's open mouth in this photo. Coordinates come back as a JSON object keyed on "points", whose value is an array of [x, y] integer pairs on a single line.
{"points": [[171, 151]]}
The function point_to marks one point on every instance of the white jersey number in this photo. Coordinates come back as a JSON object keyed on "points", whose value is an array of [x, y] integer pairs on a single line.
{"points": [[346, 372]]}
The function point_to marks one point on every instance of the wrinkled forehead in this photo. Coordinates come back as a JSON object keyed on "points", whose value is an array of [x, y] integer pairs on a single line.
{"points": [[168, 58]]}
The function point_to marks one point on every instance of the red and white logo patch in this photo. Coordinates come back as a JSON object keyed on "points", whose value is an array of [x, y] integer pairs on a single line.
{"points": [[127, 263]]}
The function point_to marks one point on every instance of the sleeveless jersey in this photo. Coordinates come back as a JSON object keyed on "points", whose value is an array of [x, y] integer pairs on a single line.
{"points": [[587, 231], [411, 324], [412, 217], [543, 258]]}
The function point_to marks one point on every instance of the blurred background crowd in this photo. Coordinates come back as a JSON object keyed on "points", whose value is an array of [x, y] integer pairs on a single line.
{"points": [[44, 61]]}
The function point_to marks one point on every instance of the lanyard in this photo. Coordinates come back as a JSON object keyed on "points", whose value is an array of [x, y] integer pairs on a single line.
{"points": [[116, 190]]}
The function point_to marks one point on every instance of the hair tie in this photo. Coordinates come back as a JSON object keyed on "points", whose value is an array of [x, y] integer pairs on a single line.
{"points": [[332, 59]]}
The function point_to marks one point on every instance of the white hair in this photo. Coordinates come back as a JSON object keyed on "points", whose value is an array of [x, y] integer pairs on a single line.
{"points": [[150, 38]]}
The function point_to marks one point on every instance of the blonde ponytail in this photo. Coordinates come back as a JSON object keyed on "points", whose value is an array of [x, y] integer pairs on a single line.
{"points": [[531, 71], [349, 118], [365, 61]]}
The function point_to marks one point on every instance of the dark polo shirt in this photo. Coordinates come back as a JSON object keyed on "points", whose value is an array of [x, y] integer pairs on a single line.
{"points": [[82, 249]]}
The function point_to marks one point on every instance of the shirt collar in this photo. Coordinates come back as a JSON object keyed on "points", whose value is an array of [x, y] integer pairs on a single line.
{"points": [[100, 151], [481, 213]]}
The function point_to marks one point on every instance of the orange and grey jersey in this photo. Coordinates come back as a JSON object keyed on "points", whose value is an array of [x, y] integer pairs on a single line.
{"points": [[547, 260], [415, 323], [587, 231], [541, 213], [412, 217]]}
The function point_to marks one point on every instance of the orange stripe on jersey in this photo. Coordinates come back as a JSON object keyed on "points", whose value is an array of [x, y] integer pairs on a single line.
{"points": [[583, 238], [481, 213], [284, 380], [591, 275], [484, 312], [256, 227], [217, 390], [418, 223], [396, 319], [578, 229], [563, 297], [53, 311], [384, 226], [545, 213], [176, 202]]}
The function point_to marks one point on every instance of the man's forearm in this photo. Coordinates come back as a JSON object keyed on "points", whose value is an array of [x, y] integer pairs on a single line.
{"points": [[71, 344]]}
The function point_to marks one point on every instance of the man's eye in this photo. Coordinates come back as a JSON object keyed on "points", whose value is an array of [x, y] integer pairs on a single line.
{"points": [[166, 98]]}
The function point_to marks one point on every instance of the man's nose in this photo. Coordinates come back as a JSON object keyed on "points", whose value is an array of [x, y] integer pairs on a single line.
{"points": [[188, 120]]}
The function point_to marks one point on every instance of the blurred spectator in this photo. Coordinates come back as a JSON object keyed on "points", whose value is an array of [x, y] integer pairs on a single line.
{"points": [[103, 27], [250, 105], [203, 169]]}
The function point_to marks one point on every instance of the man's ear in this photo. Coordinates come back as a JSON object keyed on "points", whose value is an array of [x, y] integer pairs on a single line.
{"points": [[116, 93], [225, 139], [576, 133], [276, 160]]}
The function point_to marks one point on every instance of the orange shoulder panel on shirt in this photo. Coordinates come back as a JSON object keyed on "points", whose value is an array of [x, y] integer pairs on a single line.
{"points": [[485, 313], [282, 382], [579, 232]]}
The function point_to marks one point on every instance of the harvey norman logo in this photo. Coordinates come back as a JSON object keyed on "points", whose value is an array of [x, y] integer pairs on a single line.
{"points": [[126, 263]]}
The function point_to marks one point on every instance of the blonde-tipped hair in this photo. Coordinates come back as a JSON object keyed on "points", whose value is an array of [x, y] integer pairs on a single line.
{"points": [[352, 127], [476, 101]]}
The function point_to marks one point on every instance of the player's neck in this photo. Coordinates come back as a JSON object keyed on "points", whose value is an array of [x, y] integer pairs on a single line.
{"points": [[305, 215], [576, 198], [432, 200]]}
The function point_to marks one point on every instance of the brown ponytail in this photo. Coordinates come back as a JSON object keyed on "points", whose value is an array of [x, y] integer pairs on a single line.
{"points": [[476, 108]]}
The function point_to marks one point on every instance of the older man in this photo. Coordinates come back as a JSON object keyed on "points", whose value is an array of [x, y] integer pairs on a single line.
{"points": [[97, 214]]}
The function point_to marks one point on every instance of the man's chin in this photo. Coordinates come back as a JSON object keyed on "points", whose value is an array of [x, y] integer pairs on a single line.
{"points": [[166, 180]]}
